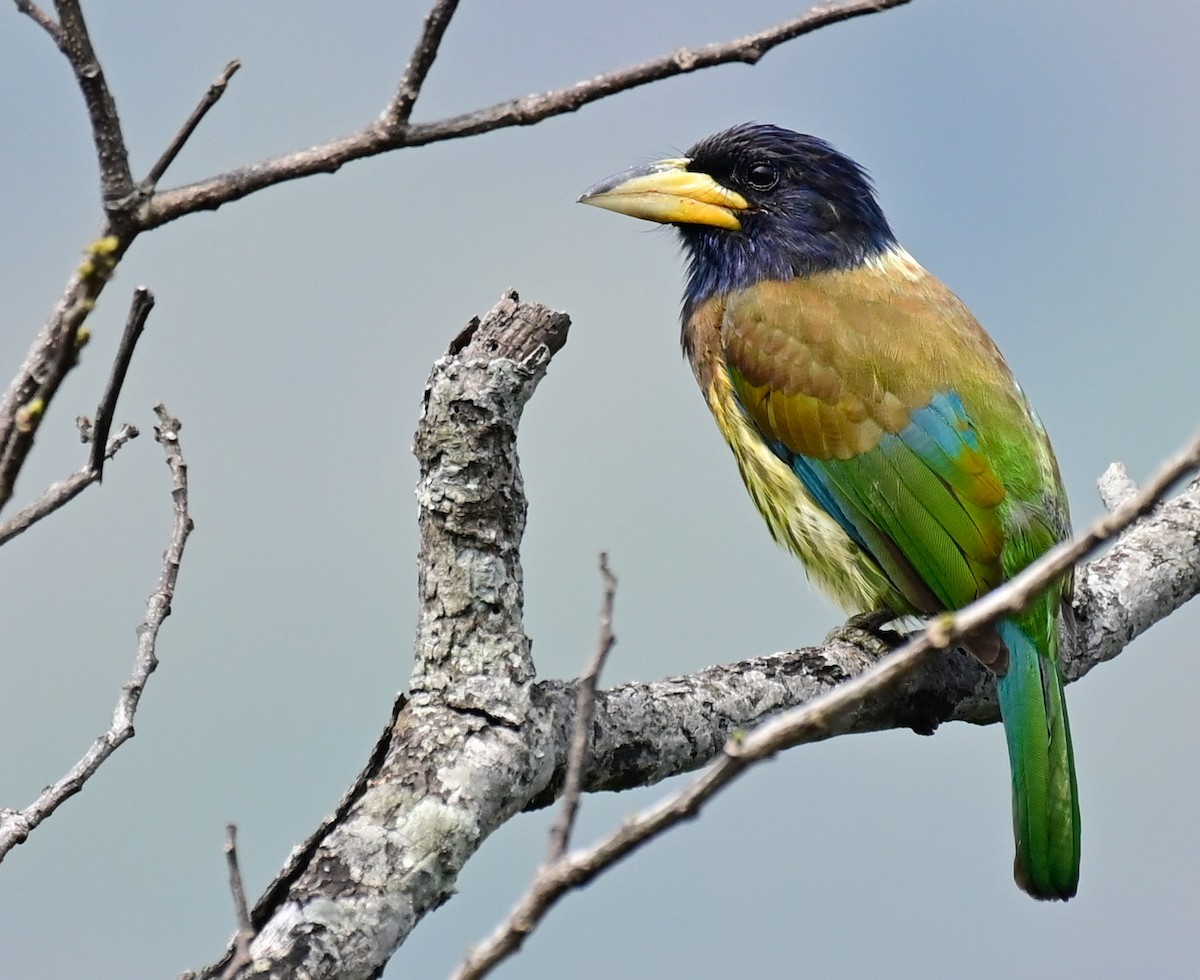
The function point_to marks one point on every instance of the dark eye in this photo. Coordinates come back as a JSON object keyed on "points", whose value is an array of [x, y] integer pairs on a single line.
{"points": [[762, 176]]}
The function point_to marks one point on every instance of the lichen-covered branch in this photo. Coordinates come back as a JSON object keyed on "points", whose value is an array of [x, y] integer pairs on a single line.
{"points": [[54, 353], [472, 652], [1152, 569], [465, 752], [480, 740]]}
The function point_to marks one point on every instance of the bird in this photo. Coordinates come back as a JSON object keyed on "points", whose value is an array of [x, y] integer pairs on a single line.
{"points": [[876, 426]]}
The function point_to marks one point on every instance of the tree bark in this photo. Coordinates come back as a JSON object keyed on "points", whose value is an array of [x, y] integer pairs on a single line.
{"points": [[478, 739]]}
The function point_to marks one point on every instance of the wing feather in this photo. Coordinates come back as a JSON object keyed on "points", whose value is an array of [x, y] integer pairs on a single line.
{"points": [[872, 417]]}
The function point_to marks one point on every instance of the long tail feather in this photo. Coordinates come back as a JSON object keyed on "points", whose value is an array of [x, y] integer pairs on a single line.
{"points": [[1045, 797]]}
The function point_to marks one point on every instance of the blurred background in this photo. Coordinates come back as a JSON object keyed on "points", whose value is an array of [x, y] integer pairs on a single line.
{"points": [[1039, 158]]}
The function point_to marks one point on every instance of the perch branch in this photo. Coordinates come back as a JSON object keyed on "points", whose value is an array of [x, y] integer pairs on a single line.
{"points": [[1150, 571], [811, 721], [460, 759]]}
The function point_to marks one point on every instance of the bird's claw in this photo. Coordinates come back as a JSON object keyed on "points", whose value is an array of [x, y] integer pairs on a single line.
{"points": [[866, 631]]}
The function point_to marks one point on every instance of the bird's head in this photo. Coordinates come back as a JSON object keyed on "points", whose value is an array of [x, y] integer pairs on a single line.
{"points": [[755, 202]]}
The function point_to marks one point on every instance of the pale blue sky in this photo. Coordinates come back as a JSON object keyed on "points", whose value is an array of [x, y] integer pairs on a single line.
{"points": [[1040, 158]]}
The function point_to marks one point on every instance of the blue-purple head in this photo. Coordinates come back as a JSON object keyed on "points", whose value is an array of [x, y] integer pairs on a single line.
{"points": [[755, 202]]}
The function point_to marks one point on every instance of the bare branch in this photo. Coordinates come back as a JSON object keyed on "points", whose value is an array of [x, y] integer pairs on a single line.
{"points": [[116, 182], [532, 109], [377, 138], [16, 825], [63, 493], [810, 721], [130, 213], [585, 706], [210, 98], [436, 21], [245, 932], [42, 19], [139, 310]]}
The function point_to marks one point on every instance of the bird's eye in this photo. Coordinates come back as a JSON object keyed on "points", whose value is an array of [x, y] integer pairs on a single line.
{"points": [[762, 176]]}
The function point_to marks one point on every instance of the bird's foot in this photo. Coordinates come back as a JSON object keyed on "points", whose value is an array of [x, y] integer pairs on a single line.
{"points": [[866, 631]]}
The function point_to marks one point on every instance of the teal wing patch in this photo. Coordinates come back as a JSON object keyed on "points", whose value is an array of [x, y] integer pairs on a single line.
{"points": [[922, 503]]}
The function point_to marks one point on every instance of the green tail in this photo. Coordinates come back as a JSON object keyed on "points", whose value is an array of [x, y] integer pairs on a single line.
{"points": [[1045, 797]]}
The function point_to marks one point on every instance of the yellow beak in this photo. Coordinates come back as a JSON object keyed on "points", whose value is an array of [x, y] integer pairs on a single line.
{"points": [[669, 193]]}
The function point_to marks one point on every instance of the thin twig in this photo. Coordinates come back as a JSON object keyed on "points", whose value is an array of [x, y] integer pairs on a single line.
{"points": [[577, 760], [585, 706], [42, 19], [210, 98], [139, 310], [245, 932], [63, 493], [116, 181], [374, 138], [436, 21], [808, 721], [16, 825]]}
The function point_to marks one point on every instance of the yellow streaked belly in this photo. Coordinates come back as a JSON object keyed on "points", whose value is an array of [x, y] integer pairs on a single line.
{"points": [[830, 556]]}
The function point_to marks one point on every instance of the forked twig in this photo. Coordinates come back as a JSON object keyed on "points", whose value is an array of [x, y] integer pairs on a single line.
{"points": [[133, 209], [63, 493]]}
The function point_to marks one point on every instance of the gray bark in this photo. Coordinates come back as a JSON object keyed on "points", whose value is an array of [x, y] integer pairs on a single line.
{"points": [[478, 740]]}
